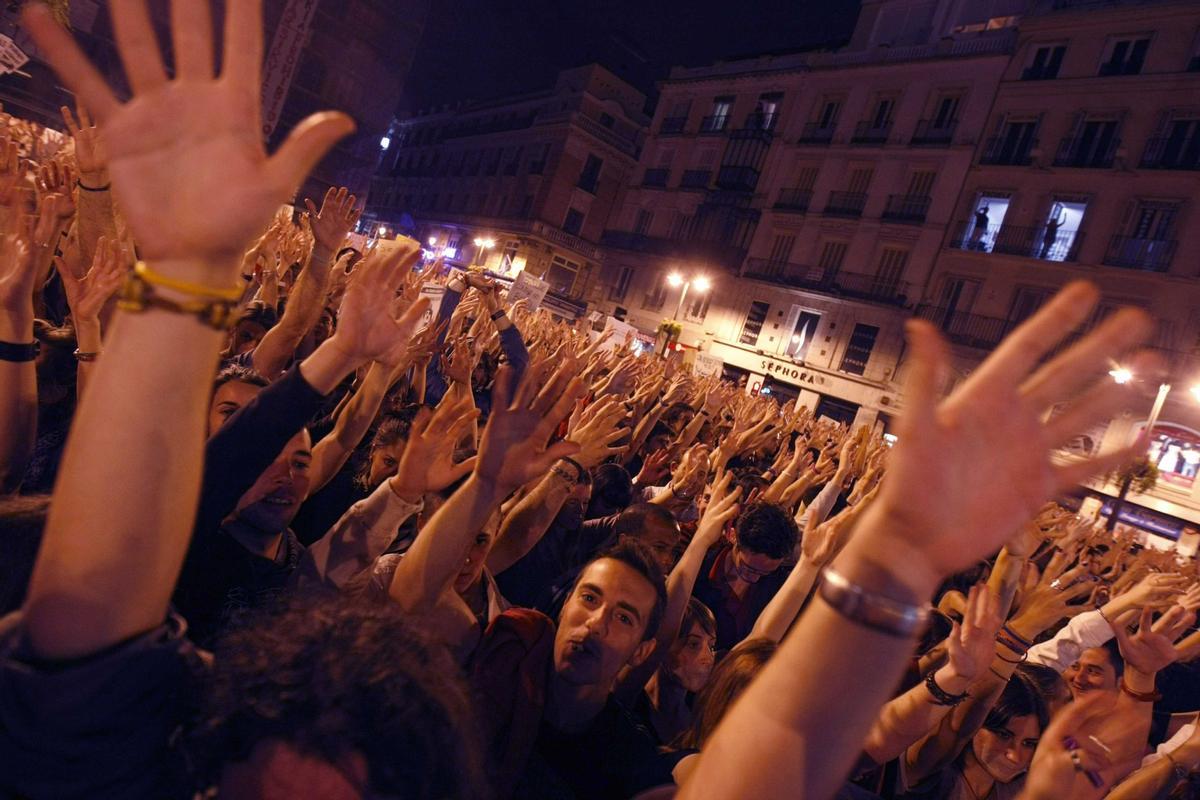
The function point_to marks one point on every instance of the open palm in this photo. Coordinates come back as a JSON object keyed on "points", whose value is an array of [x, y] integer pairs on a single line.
{"points": [[969, 470], [186, 156]]}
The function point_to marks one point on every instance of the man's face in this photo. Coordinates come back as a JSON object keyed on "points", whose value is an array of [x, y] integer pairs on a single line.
{"points": [[272, 502], [661, 539], [472, 567], [602, 623], [1004, 754], [691, 659], [245, 337], [229, 397], [1093, 671], [750, 566]]}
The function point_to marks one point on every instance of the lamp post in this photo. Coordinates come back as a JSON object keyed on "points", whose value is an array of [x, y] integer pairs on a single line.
{"points": [[482, 244], [701, 283]]}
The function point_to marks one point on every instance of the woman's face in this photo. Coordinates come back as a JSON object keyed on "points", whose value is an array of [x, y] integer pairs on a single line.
{"points": [[245, 337], [691, 658], [1005, 753], [384, 462], [472, 567]]}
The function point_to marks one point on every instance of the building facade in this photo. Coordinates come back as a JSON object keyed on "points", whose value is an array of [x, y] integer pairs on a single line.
{"points": [[534, 178], [1091, 169], [813, 191]]}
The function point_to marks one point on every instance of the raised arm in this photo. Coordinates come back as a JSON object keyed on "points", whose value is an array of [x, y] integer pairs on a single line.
{"points": [[18, 375], [195, 186], [934, 515], [87, 293]]}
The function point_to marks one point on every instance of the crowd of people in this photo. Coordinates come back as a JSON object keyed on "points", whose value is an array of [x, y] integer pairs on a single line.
{"points": [[273, 527]]}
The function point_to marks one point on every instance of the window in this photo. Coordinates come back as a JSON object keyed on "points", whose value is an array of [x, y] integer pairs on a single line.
{"points": [[858, 351], [657, 296], [1175, 146], [830, 108], [806, 179], [1046, 62], [590, 176], [721, 108], [573, 221], [641, 225], [1013, 146], [562, 274], [752, 327], [952, 311], [508, 255], [945, 112], [781, 249], [803, 334], [1126, 57], [1057, 235], [1093, 144], [882, 115], [766, 111], [697, 307], [619, 289], [920, 183], [1150, 239], [1025, 303], [892, 262], [832, 255], [987, 217]]}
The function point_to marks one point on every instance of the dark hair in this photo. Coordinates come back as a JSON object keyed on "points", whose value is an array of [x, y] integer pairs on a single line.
{"points": [[768, 529], [697, 613], [1020, 698], [240, 374], [728, 680], [676, 411], [260, 313], [372, 684], [612, 490], [23, 519], [1049, 682], [634, 520], [1113, 648], [638, 557], [392, 428]]}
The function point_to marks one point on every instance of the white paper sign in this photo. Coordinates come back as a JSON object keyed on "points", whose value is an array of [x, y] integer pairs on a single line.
{"points": [[527, 287], [12, 57]]}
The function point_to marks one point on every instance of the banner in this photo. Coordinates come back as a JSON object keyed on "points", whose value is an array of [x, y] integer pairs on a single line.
{"points": [[282, 58], [12, 57], [529, 288]]}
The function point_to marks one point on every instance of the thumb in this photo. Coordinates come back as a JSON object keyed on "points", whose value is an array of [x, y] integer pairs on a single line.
{"points": [[463, 467], [305, 146]]}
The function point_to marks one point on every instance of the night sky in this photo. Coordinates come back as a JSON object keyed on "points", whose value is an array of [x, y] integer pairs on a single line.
{"points": [[488, 48]]}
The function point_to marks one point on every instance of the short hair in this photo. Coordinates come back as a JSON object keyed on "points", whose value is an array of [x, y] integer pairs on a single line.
{"points": [[767, 528], [374, 685], [612, 488], [392, 428], [728, 680], [638, 557], [240, 374], [1020, 698], [1113, 648], [639, 516], [260, 313]]}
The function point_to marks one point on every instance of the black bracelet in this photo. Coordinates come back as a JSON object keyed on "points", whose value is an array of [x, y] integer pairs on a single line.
{"points": [[103, 188], [19, 353], [497, 314], [578, 467], [940, 696]]}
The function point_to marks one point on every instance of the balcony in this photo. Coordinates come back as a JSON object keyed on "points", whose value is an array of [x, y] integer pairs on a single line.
{"points": [[656, 178], [1008, 151], [845, 204], [827, 280], [717, 253], [794, 200], [1036, 241], [931, 133], [695, 179], [910, 208], [714, 123], [1086, 152], [962, 328], [868, 132], [737, 178], [1131, 252], [817, 133], [1172, 153], [671, 126], [761, 122]]}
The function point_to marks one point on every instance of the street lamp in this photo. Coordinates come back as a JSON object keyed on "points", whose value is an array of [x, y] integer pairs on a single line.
{"points": [[701, 283], [482, 244]]}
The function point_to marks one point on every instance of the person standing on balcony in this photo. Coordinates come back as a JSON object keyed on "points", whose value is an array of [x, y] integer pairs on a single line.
{"points": [[1051, 235], [981, 226]]}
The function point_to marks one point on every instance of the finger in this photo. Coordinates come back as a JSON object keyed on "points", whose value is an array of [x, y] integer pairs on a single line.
{"points": [[69, 119], [1102, 401], [926, 371], [191, 31], [137, 45], [1025, 346], [243, 50], [60, 50], [1070, 371], [81, 111], [420, 423]]}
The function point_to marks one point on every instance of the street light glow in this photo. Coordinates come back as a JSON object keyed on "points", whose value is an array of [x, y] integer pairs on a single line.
{"points": [[702, 284], [485, 243], [1121, 375], [675, 279], [432, 241], [1196, 392]]}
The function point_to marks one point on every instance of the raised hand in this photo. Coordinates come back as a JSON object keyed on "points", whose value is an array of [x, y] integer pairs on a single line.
{"points": [[1050, 601], [367, 329], [17, 279], [514, 448], [1152, 646], [427, 464], [940, 514], [337, 217], [722, 507], [972, 644], [57, 179], [1069, 763], [597, 433], [87, 293], [655, 467], [91, 157], [186, 156]]}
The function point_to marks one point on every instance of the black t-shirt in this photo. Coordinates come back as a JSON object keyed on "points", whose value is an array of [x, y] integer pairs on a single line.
{"points": [[558, 555], [614, 758]]}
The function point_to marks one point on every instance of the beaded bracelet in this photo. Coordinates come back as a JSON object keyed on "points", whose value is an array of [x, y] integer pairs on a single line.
{"points": [[940, 696]]}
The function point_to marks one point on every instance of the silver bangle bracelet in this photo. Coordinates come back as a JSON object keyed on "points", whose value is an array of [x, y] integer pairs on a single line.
{"points": [[902, 620]]}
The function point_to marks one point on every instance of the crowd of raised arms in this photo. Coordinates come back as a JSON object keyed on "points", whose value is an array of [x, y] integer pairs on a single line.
{"points": [[271, 529]]}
